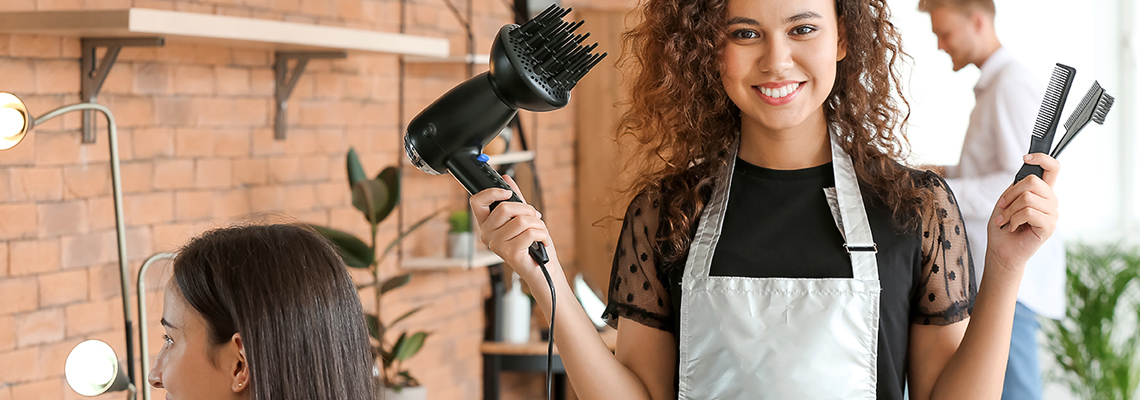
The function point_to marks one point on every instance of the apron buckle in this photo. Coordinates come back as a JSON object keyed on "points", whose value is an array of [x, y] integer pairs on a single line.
{"points": [[871, 248]]}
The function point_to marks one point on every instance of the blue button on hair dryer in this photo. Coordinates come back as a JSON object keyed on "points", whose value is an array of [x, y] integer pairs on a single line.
{"points": [[533, 67]]}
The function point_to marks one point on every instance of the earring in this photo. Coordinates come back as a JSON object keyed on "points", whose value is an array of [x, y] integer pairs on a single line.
{"points": [[240, 384]]}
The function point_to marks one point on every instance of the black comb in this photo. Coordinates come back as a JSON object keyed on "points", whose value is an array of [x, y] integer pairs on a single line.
{"points": [[1093, 107], [543, 55], [1048, 116]]}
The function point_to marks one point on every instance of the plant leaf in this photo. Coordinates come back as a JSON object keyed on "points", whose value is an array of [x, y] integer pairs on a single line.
{"points": [[406, 315], [411, 346], [355, 252], [389, 178], [398, 239], [373, 325], [395, 282], [355, 170], [370, 191]]}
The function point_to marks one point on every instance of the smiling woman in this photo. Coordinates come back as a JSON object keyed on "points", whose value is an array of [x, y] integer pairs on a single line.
{"points": [[262, 312]]}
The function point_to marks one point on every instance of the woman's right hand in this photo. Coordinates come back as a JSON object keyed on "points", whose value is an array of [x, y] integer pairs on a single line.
{"points": [[510, 229]]}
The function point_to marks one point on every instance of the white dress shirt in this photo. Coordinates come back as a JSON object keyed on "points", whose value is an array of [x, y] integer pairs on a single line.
{"points": [[1008, 97]]}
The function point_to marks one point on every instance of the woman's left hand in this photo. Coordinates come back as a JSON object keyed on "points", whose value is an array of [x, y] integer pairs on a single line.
{"points": [[1025, 215]]}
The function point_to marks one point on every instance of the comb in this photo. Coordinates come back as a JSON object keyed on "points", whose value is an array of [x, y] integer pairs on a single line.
{"points": [[1048, 116], [1093, 107]]}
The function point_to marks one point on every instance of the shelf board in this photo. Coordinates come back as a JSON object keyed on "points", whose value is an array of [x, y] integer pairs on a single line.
{"points": [[209, 28], [477, 59], [510, 157], [481, 259]]}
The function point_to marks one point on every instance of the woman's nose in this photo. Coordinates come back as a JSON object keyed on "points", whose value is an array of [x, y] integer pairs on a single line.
{"points": [[778, 58], [155, 377]]}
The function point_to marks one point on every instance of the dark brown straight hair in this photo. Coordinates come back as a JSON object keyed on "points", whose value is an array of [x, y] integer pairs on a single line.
{"points": [[288, 293]]}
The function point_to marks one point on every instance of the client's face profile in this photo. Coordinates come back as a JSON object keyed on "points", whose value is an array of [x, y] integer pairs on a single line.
{"points": [[189, 367]]}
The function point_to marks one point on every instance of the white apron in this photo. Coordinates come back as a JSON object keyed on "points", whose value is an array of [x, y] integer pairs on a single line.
{"points": [[781, 338]]}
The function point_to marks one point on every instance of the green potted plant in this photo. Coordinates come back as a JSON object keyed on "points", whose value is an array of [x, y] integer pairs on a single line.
{"points": [[376, 198], [1095, 345], [460, 239]]}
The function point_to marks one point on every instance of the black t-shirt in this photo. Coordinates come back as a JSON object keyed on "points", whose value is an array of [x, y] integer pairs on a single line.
{"points": [[778, 224]]}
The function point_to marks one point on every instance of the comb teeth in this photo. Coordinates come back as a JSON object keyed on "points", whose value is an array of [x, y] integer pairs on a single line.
{"points": [[1090, 97], [1102, 108], [557, 55], [1055, 93]]}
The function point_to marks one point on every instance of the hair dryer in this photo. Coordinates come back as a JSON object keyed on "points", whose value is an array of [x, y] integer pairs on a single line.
{"points": [[533, 67]]}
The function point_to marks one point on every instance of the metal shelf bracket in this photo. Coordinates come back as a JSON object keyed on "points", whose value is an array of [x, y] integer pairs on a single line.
{"points": [[93, 72], [287, 81]]}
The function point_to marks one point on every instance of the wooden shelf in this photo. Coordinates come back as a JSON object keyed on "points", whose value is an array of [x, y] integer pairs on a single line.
{"points": [[209, 28], [477, 59], [481, 259], [511, 157]]}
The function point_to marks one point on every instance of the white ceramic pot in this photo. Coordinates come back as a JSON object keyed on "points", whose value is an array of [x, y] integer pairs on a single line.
{"points": [[460, 244], [408, 393]]}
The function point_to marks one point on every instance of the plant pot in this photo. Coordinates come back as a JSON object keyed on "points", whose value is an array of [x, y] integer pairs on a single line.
{"points": [[460, 244], [408, 393]]}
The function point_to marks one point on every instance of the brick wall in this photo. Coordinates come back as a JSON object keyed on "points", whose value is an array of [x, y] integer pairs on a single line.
{"points": [[197, 149]]}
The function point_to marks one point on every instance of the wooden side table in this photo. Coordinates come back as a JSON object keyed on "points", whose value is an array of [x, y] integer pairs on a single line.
{"points": [[527, 357]]}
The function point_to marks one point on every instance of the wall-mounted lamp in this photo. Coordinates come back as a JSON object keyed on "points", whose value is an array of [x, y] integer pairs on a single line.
{"points": [[93, 369], [15, 123]]}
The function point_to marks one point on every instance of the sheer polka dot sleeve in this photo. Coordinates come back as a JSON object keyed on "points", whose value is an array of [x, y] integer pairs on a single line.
{"points": [[638, 289], [947, 286]]}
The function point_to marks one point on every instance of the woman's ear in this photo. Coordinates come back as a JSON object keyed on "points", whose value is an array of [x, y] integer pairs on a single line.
{"points": [[841, 47], [239, 366]]}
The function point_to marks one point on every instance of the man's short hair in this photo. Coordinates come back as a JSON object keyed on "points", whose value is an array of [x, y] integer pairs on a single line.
{"points": [[986, 6]]}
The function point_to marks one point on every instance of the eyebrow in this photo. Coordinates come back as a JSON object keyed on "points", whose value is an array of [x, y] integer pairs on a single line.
{"points": [[795, 18], [167, 324]]}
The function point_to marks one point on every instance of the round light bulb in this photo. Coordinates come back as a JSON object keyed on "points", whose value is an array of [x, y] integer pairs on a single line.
{"points": [[13, 120], [91, 368]]}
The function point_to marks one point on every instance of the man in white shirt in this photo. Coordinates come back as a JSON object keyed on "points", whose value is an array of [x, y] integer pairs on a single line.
{"points": [[1008, 96]]}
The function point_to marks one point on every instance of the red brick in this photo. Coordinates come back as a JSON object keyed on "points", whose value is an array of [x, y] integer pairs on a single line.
{"points": [[101, 213], [62, 218], [174, 111], [193, 79], [284, 169], [214, 173], [107, 5], [131, 111], [55, 148], [173, 174], [315, 168], [301, 141], [170, 237], [232, 81], [39, 327], [136, 176], [63, 288], [28, 257], [19, 365], [86, 181], [138, 243], [3, 259], [152, 142], [266, 198], [299, 198], [36, 184], [149, 208], [193, 205], [121, 81], [57, 77], [151, 78], [231, 203], [332, 194], [211, 54], [17, 5], [251, 57], [265, 144], [7, 334], [192, 142], [16, 295], [48, 389], [18, 220], [263, 83], [96, 316], [232, 142], [252, 171], [87, 249], [103, 282], [36, 46]]}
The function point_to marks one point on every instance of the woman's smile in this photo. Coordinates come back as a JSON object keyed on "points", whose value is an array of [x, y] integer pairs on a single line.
{"points": [[779, 93]]}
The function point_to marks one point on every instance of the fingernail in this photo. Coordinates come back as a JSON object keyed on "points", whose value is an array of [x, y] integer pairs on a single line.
{"points": [[1028, 157], [1001, 202], [997, 221]]}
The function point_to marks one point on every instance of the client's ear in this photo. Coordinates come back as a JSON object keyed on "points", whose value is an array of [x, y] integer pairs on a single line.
{"points": [[239, 367]]}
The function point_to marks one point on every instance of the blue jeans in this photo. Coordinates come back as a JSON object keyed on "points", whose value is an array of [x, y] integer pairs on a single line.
{"points": [[1023, 373]]}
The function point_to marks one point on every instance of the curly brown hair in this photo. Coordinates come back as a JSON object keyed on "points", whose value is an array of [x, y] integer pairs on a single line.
{"points": [[685, 122]]}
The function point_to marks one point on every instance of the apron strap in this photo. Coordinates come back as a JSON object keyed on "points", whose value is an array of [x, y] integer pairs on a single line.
{"points": [[855, 226]]}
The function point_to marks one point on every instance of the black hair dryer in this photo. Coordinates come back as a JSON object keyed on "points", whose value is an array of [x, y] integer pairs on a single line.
{"points": [[533, 67]]}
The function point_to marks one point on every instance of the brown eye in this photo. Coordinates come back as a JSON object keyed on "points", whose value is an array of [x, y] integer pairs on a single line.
{"points": [[804, 30], [745, 34]]}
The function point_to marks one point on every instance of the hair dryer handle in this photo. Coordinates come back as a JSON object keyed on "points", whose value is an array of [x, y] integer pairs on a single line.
{"points": [[470, 168]]}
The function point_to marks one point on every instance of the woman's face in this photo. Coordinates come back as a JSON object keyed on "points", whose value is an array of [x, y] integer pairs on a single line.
{"points": [[189, 367], [780, 59]]}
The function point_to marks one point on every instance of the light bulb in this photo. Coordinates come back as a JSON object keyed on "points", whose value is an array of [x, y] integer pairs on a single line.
{"points": [[91, 368], [13, 120]]}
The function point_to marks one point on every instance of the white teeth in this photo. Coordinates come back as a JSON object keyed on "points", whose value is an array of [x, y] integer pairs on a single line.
{"points": [[779, 92]]}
